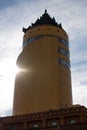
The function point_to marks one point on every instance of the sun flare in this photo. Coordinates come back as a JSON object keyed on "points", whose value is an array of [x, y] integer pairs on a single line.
{"points": [[16, 69], [9, 70]]}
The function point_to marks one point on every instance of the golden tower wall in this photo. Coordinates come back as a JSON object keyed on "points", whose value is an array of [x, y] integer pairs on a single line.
{"points": [[45, 79]]}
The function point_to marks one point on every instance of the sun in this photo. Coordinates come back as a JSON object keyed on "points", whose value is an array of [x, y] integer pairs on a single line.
{"points": [[9, 69], [16, 69]]}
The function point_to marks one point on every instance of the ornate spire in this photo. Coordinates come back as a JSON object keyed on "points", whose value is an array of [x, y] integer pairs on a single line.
{"points": [[44, 19], [45, 10]]}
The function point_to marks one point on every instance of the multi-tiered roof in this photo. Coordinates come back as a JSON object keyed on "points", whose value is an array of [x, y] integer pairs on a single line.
{"points": [[44, 19]]}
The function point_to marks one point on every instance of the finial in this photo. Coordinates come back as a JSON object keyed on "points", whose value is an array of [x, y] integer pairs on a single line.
{"points": [[45, 10]]}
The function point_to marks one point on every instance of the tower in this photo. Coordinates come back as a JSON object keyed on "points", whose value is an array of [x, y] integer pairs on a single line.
{"points": [[44, 81]]}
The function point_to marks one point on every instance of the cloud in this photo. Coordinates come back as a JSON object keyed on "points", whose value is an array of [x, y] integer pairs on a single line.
{"points": [[7, 112], [79, 95]]}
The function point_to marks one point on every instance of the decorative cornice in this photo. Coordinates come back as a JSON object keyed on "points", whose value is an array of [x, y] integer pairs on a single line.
{"points": [[63, 111]]}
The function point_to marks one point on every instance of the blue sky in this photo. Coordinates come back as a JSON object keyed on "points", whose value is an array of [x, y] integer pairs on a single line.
{"points": [[15, 14], [6, 3]]}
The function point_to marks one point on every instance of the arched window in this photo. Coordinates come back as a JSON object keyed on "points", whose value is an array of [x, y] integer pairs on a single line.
{"points": [[54, 123], [73, 121], [35, 126]]}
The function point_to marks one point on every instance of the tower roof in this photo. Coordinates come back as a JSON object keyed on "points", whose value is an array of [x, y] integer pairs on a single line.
{"points": [[45, 19]]}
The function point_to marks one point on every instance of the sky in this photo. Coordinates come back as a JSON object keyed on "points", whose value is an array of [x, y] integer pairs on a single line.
{"points": [[16, 14]]}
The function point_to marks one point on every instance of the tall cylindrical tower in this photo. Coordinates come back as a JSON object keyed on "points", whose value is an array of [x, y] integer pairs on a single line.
{"points": [[44, 81]]}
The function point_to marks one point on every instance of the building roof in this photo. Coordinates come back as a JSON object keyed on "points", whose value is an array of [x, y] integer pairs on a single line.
{"points": [[73, 118], [45, 19]]}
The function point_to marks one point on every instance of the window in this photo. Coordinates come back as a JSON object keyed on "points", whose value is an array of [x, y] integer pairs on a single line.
{"points": [[63, 42], [65, 63], [53, 123], [25, 43], [64, 52], [32, 39], [72, 121], [35, 126]]}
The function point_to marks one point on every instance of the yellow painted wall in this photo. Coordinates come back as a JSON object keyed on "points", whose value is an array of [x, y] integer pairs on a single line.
{"points": [[43, 83]]}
